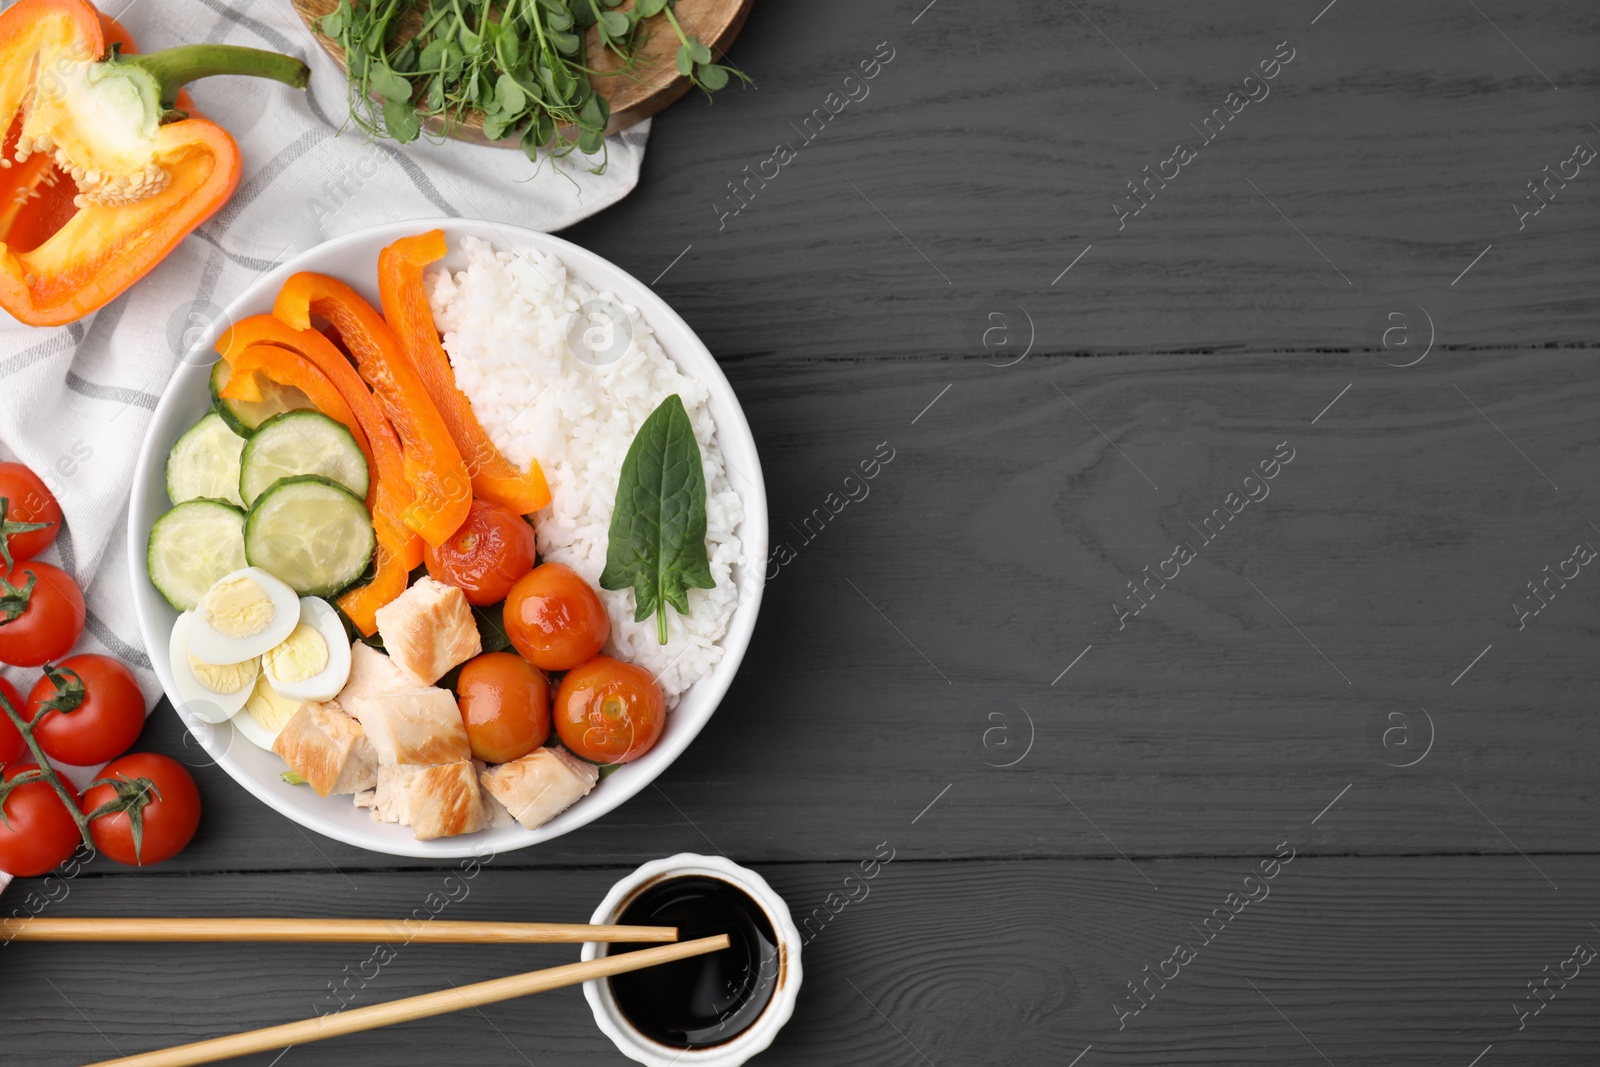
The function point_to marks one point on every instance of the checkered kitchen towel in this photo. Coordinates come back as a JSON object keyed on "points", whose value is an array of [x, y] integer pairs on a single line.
{"points": [[75, 400]]}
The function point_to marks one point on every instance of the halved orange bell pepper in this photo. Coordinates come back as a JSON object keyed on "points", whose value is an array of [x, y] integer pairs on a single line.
{"points": [[439, 481], [104, 176], [389, 493], [287, 367], [405, 306]]}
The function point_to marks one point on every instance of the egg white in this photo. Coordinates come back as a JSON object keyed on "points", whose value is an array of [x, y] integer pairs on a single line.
{"points": [[201, 702], [214, 647], [326, 683]]}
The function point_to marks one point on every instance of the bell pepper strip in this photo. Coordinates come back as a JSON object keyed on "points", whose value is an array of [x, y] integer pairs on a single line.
{"points": [[389, 492], [434, 468], [405, 306], [103, 175], [290, 368]]}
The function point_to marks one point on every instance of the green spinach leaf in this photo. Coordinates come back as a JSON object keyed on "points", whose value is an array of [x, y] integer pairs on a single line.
{"points": [[657, 542]]}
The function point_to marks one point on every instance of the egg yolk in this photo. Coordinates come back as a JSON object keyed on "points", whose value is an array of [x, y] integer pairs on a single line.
{"points": [[303, 654], [269, 707], [237, 607], [222, 677]]}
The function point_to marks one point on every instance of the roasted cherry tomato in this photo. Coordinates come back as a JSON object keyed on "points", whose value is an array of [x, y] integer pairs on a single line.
{"points": [[169, 814], [486, 556], [608, 711], [505, 704], [28, 503], [98, 714], [42, 831], [555, 619], [11, 743], [41, 614]]}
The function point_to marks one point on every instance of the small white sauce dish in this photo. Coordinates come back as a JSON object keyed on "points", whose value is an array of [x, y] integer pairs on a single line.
{"points": [[754, 1038]]}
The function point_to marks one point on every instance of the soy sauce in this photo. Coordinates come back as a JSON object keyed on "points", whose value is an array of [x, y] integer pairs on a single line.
{"points": [[704, 1000]]}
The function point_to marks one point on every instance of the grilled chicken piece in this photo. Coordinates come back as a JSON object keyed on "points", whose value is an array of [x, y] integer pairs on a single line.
{"points": [[540, 786], [445, 801], [416, 727], [373, 674], [328, 748], [390, 798], [428, 629]]}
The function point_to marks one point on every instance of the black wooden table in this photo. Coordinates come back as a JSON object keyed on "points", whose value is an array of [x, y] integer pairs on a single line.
{"points": [[1215, 656]]}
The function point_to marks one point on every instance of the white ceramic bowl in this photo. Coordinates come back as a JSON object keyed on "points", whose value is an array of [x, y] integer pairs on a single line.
{"points": [[354, 258], [754, 1038]]}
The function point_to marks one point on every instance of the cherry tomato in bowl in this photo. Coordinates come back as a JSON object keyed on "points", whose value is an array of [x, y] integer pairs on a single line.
{"points": [[38, 832], [98, 710], [555, 618], [168, 814], [11, 743], [485, 557], [41, 614], [29, 502], [608, 711], [505, 706]]}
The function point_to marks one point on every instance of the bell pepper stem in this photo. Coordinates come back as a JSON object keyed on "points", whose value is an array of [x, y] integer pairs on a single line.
{"points": [[173, 68]]}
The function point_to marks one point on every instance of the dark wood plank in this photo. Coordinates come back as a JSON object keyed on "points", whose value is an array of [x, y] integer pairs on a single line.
{"points": [[1398, 961]]}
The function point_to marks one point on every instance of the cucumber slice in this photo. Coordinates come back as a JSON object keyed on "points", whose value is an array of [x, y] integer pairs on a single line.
{"points": [[192, 546], [205, 463], [301, 442], [311, 532], [243, 416]]}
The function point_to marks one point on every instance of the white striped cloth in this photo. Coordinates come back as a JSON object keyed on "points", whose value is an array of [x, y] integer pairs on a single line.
{"points": [[75, 400]]}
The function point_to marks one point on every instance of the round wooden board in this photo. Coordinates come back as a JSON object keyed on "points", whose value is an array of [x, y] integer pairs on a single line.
{"points": [[653, 85]]}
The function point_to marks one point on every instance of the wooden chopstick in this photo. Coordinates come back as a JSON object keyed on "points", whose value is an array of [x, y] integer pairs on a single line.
{"points": [[354, 1020], [435, 931]]}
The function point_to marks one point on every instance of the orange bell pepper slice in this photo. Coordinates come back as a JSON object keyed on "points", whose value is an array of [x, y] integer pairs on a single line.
{"points": [[438, 476], [389, 492], [405, 306], [111, 177], [287, 367]]}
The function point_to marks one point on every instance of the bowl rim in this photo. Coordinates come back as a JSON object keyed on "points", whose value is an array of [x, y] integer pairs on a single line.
{"points": [[731, 425]]}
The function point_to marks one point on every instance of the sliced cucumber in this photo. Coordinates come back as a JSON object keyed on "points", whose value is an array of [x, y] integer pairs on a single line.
{"points": [[205, 463], [243, 416], [311, 532], [301, 442], [192, 546]]}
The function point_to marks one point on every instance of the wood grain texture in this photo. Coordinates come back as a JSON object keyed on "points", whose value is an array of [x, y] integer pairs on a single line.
{"points": [[1406, 961]]}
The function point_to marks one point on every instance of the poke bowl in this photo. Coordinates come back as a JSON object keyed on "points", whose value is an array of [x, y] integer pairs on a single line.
{"points": [[595, 390]]}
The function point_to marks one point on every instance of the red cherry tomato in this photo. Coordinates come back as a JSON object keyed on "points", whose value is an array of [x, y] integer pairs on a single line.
{"points": [[486, 556], [11, 743], [98, 714], [608, 711], [555, 619], [42, 623], [41, 833], [28, 500], [170, 814], [505, 704]]}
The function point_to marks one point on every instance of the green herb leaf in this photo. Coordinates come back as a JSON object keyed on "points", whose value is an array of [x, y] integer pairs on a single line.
{"points": [[647, 8], [698, 51], [509, 95], [492, 627], [615, 23], [389, 85], [495, 124], [400, 121], [684, 60], [432, 57], [566, 43], [332, 23], [712, 77], [657, 541]]}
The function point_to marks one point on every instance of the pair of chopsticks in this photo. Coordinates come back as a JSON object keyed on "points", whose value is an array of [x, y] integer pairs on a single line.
{"points": [[355, 1020]]}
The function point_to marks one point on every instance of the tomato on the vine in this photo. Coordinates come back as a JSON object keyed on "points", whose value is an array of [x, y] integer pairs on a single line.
{"points": [[38, 832], [484, 558], [11, 743], [555, 618], [158, 821], [41, 614], [505, 705], [30, 517], [97, 710], [608, 711]]}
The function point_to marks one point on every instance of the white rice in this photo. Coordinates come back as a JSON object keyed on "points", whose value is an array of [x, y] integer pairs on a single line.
{"points": [[506, 320]]}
